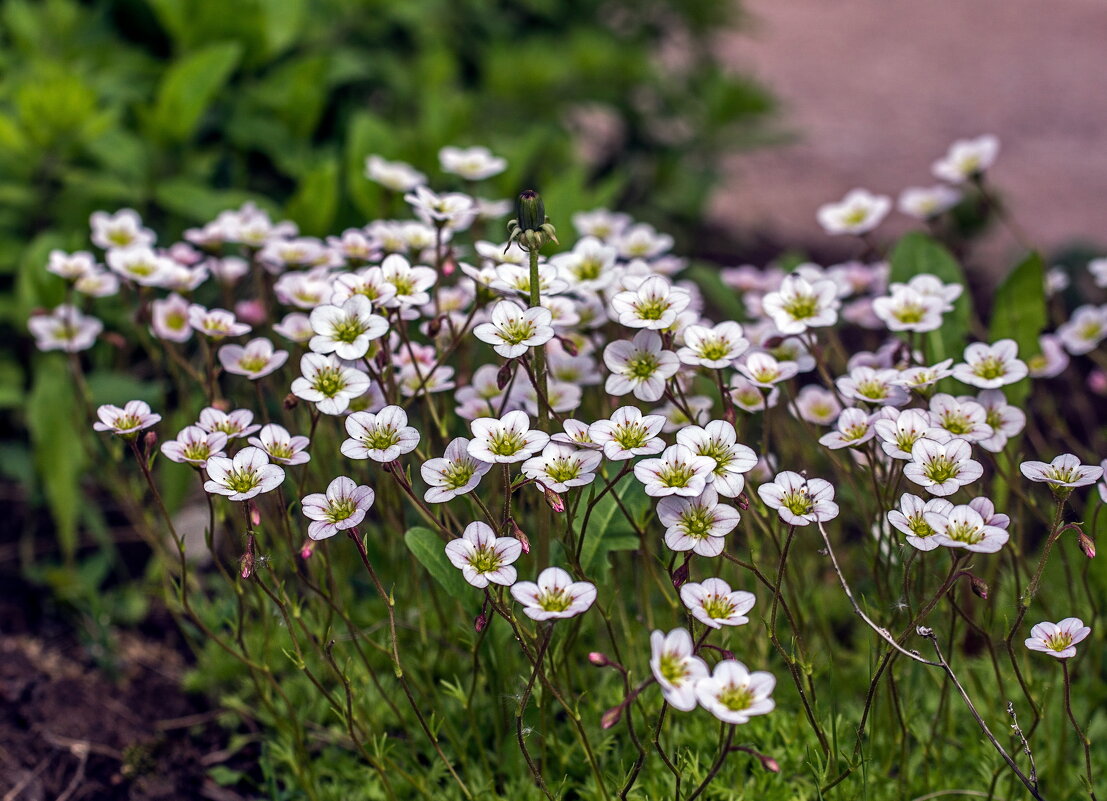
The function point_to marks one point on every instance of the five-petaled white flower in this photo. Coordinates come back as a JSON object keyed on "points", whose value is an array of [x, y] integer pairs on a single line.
{"points": [[676, 667], [341, 507], [713, 347], [964, 527], [281, 446], [628, 433], [640, 366], [715, 604], [346, 330], [248, 474], [719, 441], [854, 427], [1064, 474], [119, 230], [926, 203], [678, 471], [942, 469], [484, 558], [991, 366], [734, 695], [967, 159], [471, 163], [258, 358], [1058, 639], [512, 329], [763, 369], [505, 440], [798, 500], [194, 446], [382, 437], [554, 596], [859, 212], [128, 421], [215, 323], [907, 309], [800, 304], [653, 304], [910, 518], [561, 466], [394, 175], [65, 329], [873, 386], [454, 473], [237, 423], [328, 383], [697, 524]]}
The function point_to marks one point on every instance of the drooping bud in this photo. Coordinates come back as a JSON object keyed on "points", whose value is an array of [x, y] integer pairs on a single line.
{"points": [[770, 764], [979, 587], [611, 717], [519, 534], [530, 211], [569, 346], [255, 513], [291, 401], [480, 622], [503, 377], [246, 563], [554, 500], [680, 575], [743, 501], [434, 326], [1087, 545], [598, 659], [307, 549]]}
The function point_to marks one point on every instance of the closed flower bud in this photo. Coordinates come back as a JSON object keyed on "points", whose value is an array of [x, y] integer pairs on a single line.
{"points": [[611, 717], [307, 549], [291, 401], [520, 535], [434, 326], [569, 346], [598, 659], [503, 377], [255, 513], [115, 339], [1087, 545], [979, 587], [480, 622], [770, 764], [150, 440], [680, 576], [743, 502], [530, 211], [554, 501]]}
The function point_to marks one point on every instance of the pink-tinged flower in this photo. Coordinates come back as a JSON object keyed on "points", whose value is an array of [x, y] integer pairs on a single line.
{"points": [[471, 163], [719, 441], [304, 290], [987, 511], [1063, 474], [65, 329], [555, 596], [257, 359], [484, 558], [639, 367], [1084, 330], [628, 434], [454, 211], [899, 434], [505, 440], [800, 304], [1052, 360], [194, 446], [140, 265], [368, 282], [119, 230], [576, 433], [97, 284], [394, 175], [734, 695], [411, 283], [328, 384], [964, 527], [560, 467], [908, 310], [280, 446], [942, 469], [71, 266], [859, 212], [926, 203], [245, 476], [1058, 639], [588, 267], [873, 386], [697, 524], [346, 330], [962, 417], [712, 347], [991, 366], [513, 330], [169, 319], [128, 421], [382, 437], [1005, 420], [764, 371], [922, 378], [215, 323], [295, 327], [340, 508], [967, 159], [234, 424], [676, 668], [653, 304], [910, 518], [799, 501], [854, 427], [678, 471], [714, 604], [455, 473], [817, 405], [749, 396]]}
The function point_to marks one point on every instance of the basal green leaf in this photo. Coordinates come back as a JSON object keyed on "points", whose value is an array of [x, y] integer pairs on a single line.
{"points": [[917, 254], [428, 549], [189, 86]]}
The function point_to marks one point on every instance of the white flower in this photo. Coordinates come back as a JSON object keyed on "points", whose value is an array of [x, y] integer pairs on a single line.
{"points": [[128, 421], [247, 475], [71, 266], [512, 330], [555, 596], [678, 471], [873, 386], [926, 203], [930, 285], [368, 282], [799, 304], [140, 264], [676, 668], [1005, 420], [719, 441], [281, 446], [454, 473], [346, 330], [898, 435], [1083, 332], [410, 283], [295, 327], [715, 347], [1097, 267], [922, 377], [799, 501], [514, 279], [1052, 360], [394, 175], [964, 527], [749, 396], [967, 159], [628, 434], [471, 163], [1058, 639], [854, 427], [653, 304], [910, 518], [234, 424], [588, 267], [991, 366], [382, 437], [639, 367], [454, 211], [765, 371], [734, 695], [714, 604], [560, 467], [257, 359], [942, 469], [817, 405], [194, 446], [906, 309], [697, 524], [642, 241], [65, 329], [215, 323], [328, 384], [600, 223], [169, 318], [859, 212], [505, 440], [576, 433], [341, 507], [1064, 473], [97, 284], [962, 417], [119, 230], [484, 558]]}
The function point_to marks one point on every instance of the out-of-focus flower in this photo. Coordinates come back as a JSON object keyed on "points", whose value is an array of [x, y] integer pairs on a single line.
{"points": [[1084, 330], [765, 371], [908, 310], [453, 210], [71, 266], [258, 358], [471, 163], [394, 175], [967, 159], [215, 323], [817, 405], [854, 427], [65, 329], [119, 230], [859, 212], [926, 203], [1052, 360], [873, 386], [128, 421]]}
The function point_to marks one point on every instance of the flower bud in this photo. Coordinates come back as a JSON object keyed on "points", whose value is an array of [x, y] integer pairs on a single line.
{"points": [[611, 717], [680, 576], [1087, 545], [598, 659], [480, 622], [291, 401], [979, 587], [222, 404], [150, 440], [554, 500], [307, 549], [569, 346], [434, 326], [503, 377], [255, 513], [520, 535], [770, 764], [743, 501], [115, 339], [246, 563], [530, 211]]}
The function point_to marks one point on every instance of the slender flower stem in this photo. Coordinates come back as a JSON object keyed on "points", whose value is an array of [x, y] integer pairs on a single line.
{"points": [[536, 772], [1084, 741]]}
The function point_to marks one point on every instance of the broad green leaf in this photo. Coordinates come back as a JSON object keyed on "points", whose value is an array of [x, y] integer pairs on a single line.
{"points": [[316, 200], [189, 86], [1020, 313], [198, 202], [918, 253], [608, 528], [429, 550]]}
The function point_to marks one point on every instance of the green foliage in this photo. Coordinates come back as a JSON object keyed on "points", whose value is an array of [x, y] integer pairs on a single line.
{"points": [[427, 548], [1020, 313], [917, 253]]}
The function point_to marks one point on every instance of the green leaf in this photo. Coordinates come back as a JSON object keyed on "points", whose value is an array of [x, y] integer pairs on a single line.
{"points": [[189, 86], [1020, 313], [428, 549], [198, 202], [608, 528], [918, 253], [316, 200]]}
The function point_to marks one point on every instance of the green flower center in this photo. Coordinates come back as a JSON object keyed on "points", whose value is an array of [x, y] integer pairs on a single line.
{"points": [[328, 381], [506, 443], [910, 313], [348, 330], [990, 367], [1063, 475], [339, 510], [736, 698], [120, 238], [697, 522], [798, 502], [872, 389], [563, 469], [941, 469], [381, 439], [555, 600], [253, 364], [485, 560], [587, 270], [1090, 330], [241, 480], [801, 307], [197, 451], [642, 365], [965, 532], [673, 669], [125, 422], [457, 475], [228, 427], [715, 349], [919, 527], [632, 436], [651, 308], [279, 450], [514, 332], [855, 216], [1059, 641], [176, 321], [675, 475], [717, 607]]}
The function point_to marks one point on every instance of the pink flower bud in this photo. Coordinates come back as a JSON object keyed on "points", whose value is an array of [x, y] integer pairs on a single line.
{"points": [[611, 717], [250, 311], [598, 659], [1097, 381], [291, 401], [743, 502], [979, 587], [569, 346], [255, 513], [520, 535], [1087, 545], [770, 764], [448, 267], [150, 440], [680, 576], [480, 622], [307, 549], [554, 500]]}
